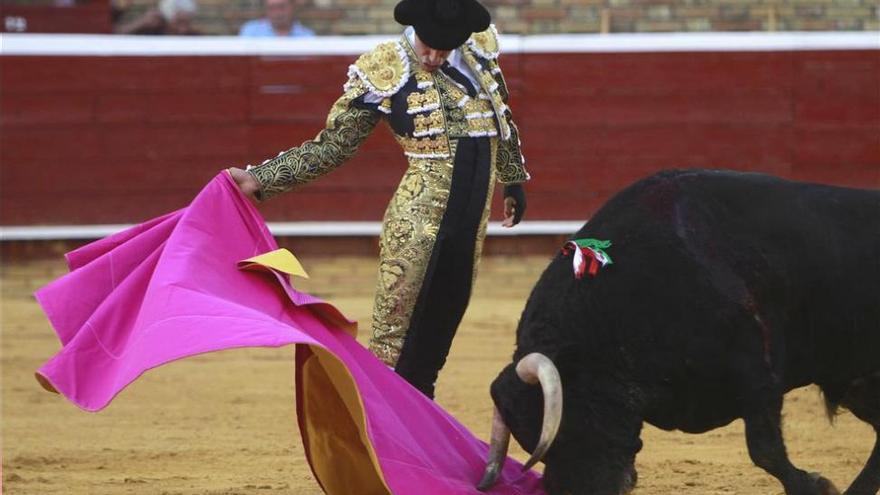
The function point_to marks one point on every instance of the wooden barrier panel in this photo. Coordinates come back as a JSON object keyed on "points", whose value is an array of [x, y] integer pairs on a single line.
{"points": [[96, 139]]}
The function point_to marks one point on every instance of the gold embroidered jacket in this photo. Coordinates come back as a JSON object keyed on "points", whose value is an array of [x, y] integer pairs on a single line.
{"points": [[428, 113]]}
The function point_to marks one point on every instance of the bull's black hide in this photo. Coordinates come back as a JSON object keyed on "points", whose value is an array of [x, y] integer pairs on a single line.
{"points": [[727, 290]]}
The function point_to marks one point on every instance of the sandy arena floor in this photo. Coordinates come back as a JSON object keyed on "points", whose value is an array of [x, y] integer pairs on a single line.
{"points": [[224, 423]]}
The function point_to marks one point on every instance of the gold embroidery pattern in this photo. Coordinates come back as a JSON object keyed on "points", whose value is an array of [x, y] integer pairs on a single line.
{"points": [[426, 101], [335, 144], [475, 108], [354, 88], [491, 86], [485, 43], [385, 69], [480, 118], [453, 99], [385, 106], [423, 79], [426, 147], [428, 124], [509, 162], [452, 90], [409, 232], [466, 116], [495, 71]]}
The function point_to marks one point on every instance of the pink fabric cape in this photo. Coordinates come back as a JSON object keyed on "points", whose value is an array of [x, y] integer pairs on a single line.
{"points": [[171, 288]]}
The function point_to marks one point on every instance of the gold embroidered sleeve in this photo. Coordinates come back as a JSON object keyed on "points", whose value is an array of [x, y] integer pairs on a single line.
{"points": [[347, 127], [509, 163]]}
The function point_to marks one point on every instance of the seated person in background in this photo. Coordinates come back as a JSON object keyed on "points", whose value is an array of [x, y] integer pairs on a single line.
{"points": [[279, 21], [172, 17]]}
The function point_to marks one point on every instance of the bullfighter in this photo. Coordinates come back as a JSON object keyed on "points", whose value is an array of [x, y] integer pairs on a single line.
{"points": [[440, 89]]}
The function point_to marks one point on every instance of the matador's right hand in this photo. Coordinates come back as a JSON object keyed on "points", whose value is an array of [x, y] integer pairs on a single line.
{"points": [[246, 182], [514, 204]]}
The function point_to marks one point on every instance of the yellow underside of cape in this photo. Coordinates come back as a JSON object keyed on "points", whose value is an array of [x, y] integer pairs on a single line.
{"points": [[340, 451]]}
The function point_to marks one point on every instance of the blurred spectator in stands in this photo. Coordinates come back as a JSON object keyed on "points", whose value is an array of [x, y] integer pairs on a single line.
{"points": [[169, 17], [279, 21]]}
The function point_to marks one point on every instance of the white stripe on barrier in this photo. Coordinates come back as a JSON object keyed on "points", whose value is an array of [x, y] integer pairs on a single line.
{"points": [[118, 45], [281, 229], [703, 42]]}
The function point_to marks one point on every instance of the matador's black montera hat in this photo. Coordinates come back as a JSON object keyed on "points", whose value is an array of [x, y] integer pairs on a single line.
{"points": [[443, 24]]}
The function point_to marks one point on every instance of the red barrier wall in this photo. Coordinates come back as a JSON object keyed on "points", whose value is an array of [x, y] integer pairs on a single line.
{"points": [[92, 140]]}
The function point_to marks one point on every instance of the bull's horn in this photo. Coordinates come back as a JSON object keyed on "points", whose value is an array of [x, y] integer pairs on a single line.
{"points": [[538, 368], [497, 452]]}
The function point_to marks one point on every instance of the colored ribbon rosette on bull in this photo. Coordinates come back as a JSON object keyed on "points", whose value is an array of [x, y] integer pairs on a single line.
{"points": [[587, 249]]}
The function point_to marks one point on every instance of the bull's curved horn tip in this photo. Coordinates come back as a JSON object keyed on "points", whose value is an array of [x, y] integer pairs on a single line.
{"points": [[498, 444], [489, 478]]}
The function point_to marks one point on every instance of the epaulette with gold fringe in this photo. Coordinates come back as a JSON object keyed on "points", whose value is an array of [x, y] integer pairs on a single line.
{"points": [[383, 70], [485, 43]]}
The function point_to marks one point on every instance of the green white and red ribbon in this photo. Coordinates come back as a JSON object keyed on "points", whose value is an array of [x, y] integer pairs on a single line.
{"points": [[584, 249]]}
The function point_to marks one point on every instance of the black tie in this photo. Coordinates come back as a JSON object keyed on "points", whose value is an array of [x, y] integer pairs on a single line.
{"points": [[458, 77]]}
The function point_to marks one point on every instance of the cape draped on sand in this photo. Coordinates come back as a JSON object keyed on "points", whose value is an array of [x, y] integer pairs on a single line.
{"points": [[188, 283]]}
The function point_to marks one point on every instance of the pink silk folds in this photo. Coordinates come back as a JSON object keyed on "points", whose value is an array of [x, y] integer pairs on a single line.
{"points": [[170, 288]]}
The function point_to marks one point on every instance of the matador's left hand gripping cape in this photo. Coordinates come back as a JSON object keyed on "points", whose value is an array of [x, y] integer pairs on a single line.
{"points": [[431, 115]]}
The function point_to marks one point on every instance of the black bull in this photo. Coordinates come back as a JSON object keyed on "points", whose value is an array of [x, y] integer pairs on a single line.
{"points": [[726, 291]]}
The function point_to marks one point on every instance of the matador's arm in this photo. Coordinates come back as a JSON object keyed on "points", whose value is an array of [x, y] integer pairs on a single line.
{"points": [[373, 79], [510, 162]]}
